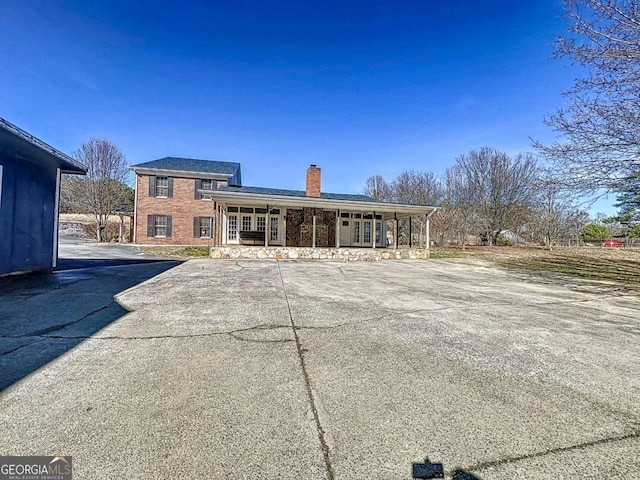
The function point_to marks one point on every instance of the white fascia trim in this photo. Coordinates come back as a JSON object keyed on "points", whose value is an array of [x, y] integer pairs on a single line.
{"points": [[285, 201], [180, 173]]}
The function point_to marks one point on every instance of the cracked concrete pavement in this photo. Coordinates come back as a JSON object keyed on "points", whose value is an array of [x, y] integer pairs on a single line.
{"points": [[293, 369]]}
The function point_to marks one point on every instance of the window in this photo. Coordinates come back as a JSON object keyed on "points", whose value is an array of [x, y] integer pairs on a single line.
{"points": [[367, 232], [246, 222], [378, 232], [204, 184], [273, 236], [160, 226], [162, 186], [202, 227], [261, 223], [232, 228], [208, 184]]}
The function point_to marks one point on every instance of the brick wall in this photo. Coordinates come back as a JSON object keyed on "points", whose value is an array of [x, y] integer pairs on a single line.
{"points": [[182, 208], [313, 181]]}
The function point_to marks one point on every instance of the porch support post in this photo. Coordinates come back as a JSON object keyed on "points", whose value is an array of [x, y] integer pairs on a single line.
{"points": [[313, 235], [428, 242], [338, 223], [267, 228], [373, 232], [410, 232], [395, 231]]}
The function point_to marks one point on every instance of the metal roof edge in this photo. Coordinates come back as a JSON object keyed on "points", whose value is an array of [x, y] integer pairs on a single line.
{"points": [[43, 146]]}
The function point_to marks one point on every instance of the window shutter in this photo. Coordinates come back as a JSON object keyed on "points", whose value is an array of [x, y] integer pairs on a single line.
{"points": [[198, 195], [151, 223], [169, 224], [170, 189], [152, 186], [196, 227]]}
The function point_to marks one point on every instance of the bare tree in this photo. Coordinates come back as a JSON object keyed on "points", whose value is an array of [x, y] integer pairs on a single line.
{"points": [[601, 124], [376, 187], [460, 201], [103, 189], [555, 210], [416, 188], [495, 192]]}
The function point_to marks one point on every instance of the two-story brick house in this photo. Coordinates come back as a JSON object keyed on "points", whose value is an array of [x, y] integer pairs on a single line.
{"points": [[169, 205], [200, 202]]}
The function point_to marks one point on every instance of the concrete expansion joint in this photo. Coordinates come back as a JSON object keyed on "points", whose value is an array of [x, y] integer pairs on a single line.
{"points": [[326, 453], [579, 446]]}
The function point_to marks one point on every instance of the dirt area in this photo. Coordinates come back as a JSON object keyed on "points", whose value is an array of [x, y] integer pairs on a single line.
{"points": [[611, 264]]}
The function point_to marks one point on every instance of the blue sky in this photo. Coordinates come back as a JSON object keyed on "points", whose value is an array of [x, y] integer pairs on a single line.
{"points": [[358, 88]]}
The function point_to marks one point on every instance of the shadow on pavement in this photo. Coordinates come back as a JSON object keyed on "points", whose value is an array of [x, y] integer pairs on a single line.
{"points": [[43, 316]]}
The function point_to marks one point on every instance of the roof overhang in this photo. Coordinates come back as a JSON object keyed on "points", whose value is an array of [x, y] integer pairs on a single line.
{"points": [[19, 144], [242, 198], [180, 173]]}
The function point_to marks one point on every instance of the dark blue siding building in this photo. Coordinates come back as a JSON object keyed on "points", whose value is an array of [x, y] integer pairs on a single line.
{"points": [[30, 173]]}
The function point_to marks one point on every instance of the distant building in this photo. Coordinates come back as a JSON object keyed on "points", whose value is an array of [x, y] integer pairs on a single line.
{"points": [[201, 202], [30, 172]]}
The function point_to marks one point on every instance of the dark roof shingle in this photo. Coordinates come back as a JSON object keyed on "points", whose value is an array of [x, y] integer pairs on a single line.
{"points": [[191, 165], [299, 193]]}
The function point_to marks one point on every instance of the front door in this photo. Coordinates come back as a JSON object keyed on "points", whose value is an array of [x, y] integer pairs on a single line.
{"points": [[274, 230], [345, 232]]}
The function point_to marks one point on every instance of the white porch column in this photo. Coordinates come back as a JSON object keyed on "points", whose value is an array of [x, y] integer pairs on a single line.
{"points": [[373, 233], [428, 242], [338, 223]]}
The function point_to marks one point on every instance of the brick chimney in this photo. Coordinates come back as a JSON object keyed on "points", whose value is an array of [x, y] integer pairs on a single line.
{"points": [[313, 181]]}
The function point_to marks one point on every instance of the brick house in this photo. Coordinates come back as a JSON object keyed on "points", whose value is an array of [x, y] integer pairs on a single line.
{"points": [[169, 206], [201, 202]]}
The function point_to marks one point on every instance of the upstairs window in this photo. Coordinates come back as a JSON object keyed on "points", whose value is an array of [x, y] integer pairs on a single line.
{"points": [[204, 184], [161, 187]]}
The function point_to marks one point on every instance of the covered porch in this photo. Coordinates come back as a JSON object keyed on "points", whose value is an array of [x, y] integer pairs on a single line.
{"points": [[250, 217]]}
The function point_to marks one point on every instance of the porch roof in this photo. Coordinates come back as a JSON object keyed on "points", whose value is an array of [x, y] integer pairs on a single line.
{"points": [[298, 198]]}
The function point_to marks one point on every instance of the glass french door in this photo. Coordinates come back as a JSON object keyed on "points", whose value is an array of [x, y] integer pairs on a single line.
{"points": [[232, 228]]}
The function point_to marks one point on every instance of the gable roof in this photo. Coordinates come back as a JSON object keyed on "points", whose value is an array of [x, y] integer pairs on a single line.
{"points": [[193, 165], [299, 193]]}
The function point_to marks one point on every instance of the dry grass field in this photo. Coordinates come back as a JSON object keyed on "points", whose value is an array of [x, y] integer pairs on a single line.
{"points": [[621, 265]]}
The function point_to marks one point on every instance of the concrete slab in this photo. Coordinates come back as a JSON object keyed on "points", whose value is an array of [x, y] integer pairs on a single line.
{"points": [[294, 369]]}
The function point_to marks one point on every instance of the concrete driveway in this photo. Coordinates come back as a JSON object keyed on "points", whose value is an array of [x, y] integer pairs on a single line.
{"points": [[266, 369]]}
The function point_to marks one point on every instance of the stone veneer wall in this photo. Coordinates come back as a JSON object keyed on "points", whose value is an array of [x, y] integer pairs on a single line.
{"points": [[344, 254], [300, 227]]}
